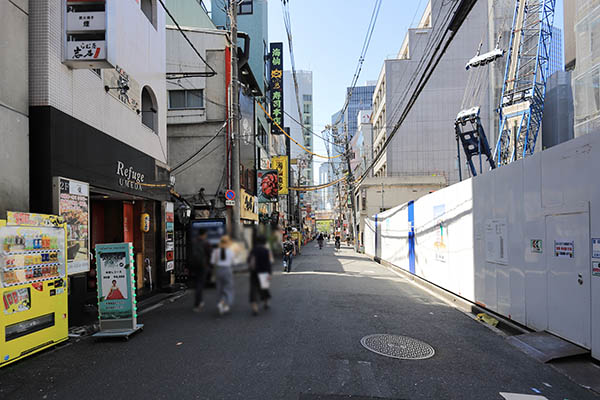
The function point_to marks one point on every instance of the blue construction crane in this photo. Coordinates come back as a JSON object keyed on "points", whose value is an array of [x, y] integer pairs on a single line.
{"points": [[522, 103]]}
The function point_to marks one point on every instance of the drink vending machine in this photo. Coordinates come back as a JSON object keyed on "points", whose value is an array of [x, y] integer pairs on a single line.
{"points": [[33, 284]]}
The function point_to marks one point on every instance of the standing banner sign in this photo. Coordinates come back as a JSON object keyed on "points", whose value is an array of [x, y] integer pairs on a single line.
{"points": [[72, 202], [277, 87], [280, 163], [268, 186], [116, 290], [169, 236]]}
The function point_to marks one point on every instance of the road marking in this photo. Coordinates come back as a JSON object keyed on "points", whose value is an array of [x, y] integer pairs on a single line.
{"points": [[516, 396]]}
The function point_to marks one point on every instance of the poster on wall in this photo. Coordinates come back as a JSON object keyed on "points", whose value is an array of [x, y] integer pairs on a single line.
{"points": [[169, 236], [596, 248], [565, 249], [115, 281], [495, 241], [72, 202], [440, 244], [268, 186]]}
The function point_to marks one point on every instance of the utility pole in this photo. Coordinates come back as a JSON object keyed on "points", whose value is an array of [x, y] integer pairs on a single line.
{"points": [[235, 123], [351, 191]]}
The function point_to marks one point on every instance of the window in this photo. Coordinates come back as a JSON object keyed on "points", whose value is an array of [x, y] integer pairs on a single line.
{"points": [[182, 99], [149, 9], [307, 97], [307, 108], [246, 7], [149, 109]]}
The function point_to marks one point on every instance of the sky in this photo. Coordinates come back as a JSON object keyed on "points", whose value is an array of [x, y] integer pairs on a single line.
{"points": [[328, 36]]}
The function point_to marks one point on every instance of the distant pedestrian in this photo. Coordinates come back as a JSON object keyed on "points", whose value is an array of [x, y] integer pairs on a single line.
{"points": [[223, 259], [288, 254], [199, 266], [260, 263]]}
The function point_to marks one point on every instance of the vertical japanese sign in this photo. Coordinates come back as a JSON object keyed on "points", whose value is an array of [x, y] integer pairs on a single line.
{"points": [[277, 87], [280, 163], [116, 291], [72, 202], [169, 236]]}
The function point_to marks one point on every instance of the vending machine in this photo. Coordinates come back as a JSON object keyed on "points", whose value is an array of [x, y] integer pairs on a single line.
{"points": [[33, 284]]}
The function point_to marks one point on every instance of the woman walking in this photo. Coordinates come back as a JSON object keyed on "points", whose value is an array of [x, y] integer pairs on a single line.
{"points": [[260, 265], [223, 258]]}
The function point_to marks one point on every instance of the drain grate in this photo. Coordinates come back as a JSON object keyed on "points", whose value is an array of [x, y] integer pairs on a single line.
{"points": [[394, 346]]}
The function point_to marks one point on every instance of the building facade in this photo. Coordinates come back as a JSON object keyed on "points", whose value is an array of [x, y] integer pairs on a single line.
{"points": [[586, 90], [14, 106], [361, 98], [300, 132], [99, 116]]}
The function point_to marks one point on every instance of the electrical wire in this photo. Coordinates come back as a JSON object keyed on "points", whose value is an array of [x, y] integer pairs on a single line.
{"points": [[439, 50], [291, 138], [201, 148], [213, 72]]}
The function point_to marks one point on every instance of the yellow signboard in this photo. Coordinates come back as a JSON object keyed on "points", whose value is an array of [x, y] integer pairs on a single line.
{"points": [[280, 163]]}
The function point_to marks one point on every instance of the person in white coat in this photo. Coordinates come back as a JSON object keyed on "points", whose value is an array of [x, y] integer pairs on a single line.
{"points": [[223, 259]]}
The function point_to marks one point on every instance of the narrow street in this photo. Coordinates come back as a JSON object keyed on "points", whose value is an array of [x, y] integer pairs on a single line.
{"points": [[307, 346]]}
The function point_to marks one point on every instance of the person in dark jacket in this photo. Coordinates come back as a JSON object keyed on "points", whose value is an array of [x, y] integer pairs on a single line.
{"points": [[260, 261], [199, 267]]}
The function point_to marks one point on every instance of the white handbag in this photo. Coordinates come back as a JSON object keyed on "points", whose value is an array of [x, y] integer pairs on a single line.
{"points": [[264, 278]]}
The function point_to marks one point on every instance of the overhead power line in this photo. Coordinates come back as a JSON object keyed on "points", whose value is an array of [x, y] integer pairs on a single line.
{"points": [[212, 70], [292, 139], [201, 148]]}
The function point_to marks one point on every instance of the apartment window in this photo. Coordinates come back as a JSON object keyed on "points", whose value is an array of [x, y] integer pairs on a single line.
{"points": [[149, 109], [182, 99], [307, 109], [246, 7], [149, 9], [307, 97]]}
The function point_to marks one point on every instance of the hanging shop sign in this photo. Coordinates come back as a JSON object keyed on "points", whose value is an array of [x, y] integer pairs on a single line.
{"points": [[267, 186], [169, 236], [116, 286], [280, 163], [85, 34], [277, 87], [120, 85], [249, 207], [72, 202]]}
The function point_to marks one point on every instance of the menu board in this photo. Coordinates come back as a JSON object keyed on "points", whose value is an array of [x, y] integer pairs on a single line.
{"points": [[72, 203], [169, 236]]}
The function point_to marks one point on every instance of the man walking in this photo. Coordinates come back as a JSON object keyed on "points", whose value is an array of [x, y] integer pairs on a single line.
{"points": [[288, 252], [199, 267]]}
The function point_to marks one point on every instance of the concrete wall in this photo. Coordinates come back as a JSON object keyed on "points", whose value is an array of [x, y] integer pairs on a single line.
{"points": [[474, 239], [189, 130], [569, 33], [189, 14], [14, 106], [134, 44]]}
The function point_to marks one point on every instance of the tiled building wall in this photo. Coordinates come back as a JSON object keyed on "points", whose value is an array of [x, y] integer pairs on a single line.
{"points": [[81, 94]]}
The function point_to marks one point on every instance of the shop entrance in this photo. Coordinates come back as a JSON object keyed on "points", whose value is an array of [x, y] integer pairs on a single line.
{"points": [[117, 217]]}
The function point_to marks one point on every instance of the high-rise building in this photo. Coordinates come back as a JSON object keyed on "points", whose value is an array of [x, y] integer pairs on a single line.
{"points": [[361, 98], [300, 130], [557, 62]]}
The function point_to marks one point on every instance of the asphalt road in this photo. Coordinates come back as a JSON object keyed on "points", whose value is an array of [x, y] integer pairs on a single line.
{"points": [[307, 346]]}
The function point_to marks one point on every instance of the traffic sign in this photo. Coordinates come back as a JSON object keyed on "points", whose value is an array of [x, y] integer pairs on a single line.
{"points": [[230, 195], [230, 203]]}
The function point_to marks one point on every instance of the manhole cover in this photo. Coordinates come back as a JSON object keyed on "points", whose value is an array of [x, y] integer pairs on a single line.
{"points": [[394, 346]]}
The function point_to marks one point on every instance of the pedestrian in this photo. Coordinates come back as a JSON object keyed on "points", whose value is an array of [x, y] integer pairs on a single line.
{"points": [[288, 254], [198, 267], [260, 262], [223, 259]]}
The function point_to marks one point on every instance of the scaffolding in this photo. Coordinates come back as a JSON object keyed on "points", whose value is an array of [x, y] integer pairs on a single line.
{"points": [[522, 101]]}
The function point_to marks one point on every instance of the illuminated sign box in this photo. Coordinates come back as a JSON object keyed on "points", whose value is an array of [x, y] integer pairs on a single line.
{"points": [[86, 21], [84, 35]]}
